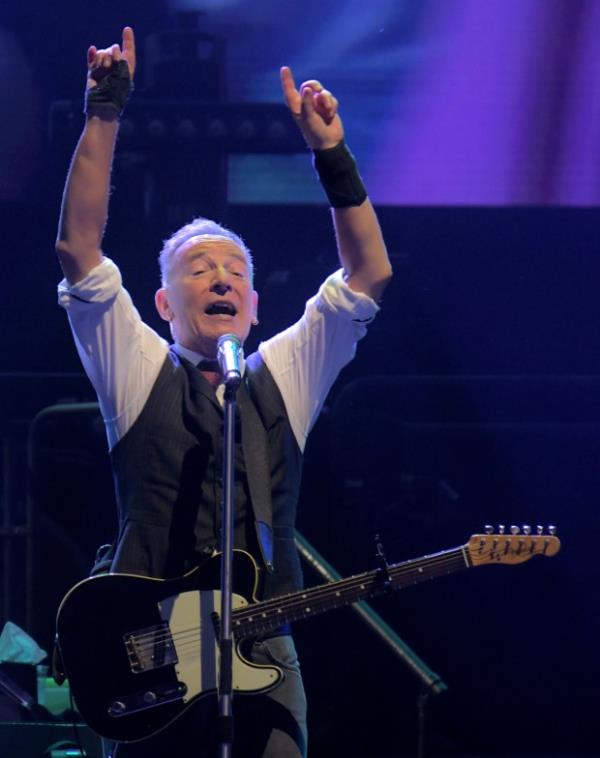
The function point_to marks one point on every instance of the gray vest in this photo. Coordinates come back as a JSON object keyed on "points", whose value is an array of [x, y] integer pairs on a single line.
{"points": [[168, 477]]}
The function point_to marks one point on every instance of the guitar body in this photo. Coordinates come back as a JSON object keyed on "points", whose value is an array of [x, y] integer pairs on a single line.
{"points": [[138, 652]]}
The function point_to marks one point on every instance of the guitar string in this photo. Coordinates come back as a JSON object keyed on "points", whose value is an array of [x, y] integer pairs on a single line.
{"points": [[149, 640], [316, 594], [320, 592], [397, 571], [265, 619], [313, 595]]}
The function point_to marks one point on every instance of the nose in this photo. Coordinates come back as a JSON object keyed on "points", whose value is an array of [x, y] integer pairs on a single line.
{"points": [[221, 287], [221, 283]]}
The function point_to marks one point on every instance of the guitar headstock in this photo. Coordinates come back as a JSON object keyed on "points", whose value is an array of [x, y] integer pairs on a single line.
{"points": [[517, 546]]}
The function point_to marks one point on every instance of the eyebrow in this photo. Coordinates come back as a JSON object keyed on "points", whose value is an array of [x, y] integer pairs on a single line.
{"points": [[191, 257]]}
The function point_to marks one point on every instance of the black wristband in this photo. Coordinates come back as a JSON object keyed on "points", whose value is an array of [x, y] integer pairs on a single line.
{"points": [[112, 91], [339, 176]]}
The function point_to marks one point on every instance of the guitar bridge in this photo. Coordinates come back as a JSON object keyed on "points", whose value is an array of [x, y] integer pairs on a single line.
{"points": [[150, 648]]}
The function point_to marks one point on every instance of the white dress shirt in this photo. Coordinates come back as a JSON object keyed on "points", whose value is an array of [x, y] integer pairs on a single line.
{"points": [[122, 356]]}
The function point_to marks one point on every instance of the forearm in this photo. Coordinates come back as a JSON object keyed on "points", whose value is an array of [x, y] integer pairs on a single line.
{"points": [[361, 249], [360, 245], [85, 200]]}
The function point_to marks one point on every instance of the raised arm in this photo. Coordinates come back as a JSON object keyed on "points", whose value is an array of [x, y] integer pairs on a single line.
{"points": [[85, 201], [361, 248]]}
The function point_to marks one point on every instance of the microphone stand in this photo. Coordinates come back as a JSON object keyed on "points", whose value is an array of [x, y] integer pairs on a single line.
{"points": [[225, 693]]}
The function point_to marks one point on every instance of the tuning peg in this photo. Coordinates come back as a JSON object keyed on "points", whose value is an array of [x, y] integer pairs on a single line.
{"points": [[539, 529], [526, 529], [501, 528], [552, 530], [489, 529], [514, 529]]}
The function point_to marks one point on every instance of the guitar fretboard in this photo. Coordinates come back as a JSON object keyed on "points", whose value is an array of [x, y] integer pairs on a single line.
{"points": [[266, 616]]}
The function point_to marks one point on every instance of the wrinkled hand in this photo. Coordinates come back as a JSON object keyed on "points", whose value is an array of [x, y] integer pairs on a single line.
{"points": [[314, 109], [101, 62]]}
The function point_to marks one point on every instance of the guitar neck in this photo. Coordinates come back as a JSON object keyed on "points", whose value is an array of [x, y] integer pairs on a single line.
{"points": [[264, 617]]}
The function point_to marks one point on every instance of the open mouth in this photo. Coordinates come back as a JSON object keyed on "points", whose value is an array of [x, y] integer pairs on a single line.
{"points": [[221, 308]]}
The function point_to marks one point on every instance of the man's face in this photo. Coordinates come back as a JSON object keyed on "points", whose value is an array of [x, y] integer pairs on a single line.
{"points": [[209, 294]]}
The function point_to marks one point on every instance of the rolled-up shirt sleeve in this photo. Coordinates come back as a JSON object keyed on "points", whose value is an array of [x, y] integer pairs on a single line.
{"points": [[121, 355], [305, 359]]}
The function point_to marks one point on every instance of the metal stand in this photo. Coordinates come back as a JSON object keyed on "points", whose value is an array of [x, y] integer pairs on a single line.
{"points": [[225, 723], [421, 710], [431, 683]]}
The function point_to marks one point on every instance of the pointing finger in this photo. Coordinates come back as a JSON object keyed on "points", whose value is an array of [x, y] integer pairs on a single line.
{"points": [[128, 48], [290, 93], [128, 39], [128, 44]]}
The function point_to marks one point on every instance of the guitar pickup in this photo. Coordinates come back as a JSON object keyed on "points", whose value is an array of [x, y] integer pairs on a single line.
{"points": [[150, 648]]}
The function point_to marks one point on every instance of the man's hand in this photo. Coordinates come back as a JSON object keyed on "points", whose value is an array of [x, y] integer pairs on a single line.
{"points": [[314, 109], [101, 62]]}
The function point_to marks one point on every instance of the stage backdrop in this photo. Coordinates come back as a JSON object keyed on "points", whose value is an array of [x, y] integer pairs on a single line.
{"points": [[446, 101]]}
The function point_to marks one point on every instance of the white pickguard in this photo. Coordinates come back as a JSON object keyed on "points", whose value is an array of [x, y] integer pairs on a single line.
{"points": [[190, 618]]}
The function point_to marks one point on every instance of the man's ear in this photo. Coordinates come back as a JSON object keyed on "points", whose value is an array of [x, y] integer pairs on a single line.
{"points": [[161, 302], [254, 307]]}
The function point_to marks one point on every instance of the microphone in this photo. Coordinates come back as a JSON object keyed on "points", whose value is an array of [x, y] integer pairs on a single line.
{"points": [[229, 351]]}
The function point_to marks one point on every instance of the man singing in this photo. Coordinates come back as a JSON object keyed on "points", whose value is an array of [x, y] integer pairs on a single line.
{"points": [[162, 403]]}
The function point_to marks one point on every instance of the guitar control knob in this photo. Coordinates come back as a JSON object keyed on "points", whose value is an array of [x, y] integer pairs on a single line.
{"points": [[501, 528], [526, 529], [514, 529], [150, 697], [489, 529], [117, 708], [539, 529], [552, 530]]}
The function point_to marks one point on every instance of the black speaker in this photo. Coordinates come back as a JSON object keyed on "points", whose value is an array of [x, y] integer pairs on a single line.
{"points": [[33, 740]]}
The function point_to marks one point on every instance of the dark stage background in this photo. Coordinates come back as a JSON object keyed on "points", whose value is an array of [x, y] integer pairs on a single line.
{"points": [[475, 399]]}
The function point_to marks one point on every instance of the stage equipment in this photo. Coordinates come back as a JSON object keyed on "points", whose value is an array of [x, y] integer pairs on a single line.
{"points": [[171, 162], [431, 681], [158, 128], [230, 355], [42, 740]]}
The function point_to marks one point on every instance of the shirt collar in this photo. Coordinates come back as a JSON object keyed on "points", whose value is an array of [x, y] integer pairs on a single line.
{"points": [[195, 358]]}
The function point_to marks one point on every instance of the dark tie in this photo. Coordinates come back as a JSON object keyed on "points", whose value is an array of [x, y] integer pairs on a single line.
{"points": [[211, 372], [212, 366]]}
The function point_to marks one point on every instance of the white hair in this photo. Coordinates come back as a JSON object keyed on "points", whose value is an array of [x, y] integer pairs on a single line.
{"points": [[199, 227]]}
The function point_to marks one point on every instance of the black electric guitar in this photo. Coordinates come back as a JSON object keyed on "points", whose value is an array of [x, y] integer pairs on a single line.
{"points": [[138, 652]]}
